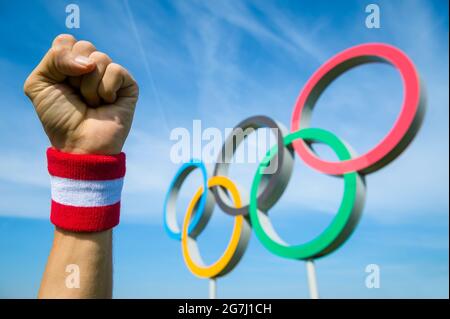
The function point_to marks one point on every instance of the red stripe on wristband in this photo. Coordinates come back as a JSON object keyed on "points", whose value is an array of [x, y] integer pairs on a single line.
{"points": [[85, 219], [85, 167], [85, 190]]}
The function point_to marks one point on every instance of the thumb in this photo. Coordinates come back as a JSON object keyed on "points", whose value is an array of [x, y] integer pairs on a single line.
{"points": [[58, 63], [62, 63]]}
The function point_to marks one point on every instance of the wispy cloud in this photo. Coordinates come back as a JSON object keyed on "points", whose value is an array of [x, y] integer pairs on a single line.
{"points": [[208, 70], [144, 56]]}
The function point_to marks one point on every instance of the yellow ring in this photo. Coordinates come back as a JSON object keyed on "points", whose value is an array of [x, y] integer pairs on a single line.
{"points": [[189, 243]]}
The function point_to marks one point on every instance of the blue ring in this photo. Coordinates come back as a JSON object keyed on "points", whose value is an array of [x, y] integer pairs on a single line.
{"points": [[174, 187]]}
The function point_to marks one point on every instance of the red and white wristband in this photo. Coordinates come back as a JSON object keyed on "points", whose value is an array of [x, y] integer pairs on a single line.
{"points": [[86, 190]]}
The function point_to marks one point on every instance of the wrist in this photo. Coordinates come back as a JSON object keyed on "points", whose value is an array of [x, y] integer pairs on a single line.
{"points": [[87, 150], [86, 190]]}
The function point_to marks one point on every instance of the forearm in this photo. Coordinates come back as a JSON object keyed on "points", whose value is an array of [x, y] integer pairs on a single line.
{"points": [[91, 253]]}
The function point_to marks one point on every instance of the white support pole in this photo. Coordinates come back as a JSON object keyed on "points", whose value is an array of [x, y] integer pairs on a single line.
{"points": [[312, 280], [212, 288]]}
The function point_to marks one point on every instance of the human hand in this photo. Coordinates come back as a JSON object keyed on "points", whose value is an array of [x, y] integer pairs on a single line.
{"points": [[84, 101]]}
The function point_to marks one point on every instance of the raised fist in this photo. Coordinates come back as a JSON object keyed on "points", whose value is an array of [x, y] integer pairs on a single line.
{"points": [[84, 101]]}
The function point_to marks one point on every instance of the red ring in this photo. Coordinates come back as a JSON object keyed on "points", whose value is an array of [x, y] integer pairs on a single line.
{"points": [[406, 124]]}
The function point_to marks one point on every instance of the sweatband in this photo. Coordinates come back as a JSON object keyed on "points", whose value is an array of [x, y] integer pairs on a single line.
{"points": [[86, 190]]}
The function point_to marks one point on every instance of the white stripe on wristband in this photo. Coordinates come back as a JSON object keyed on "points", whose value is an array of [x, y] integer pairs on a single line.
{"points": [[85, 193]]}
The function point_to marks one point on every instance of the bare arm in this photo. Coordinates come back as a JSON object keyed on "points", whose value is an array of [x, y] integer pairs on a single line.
{"points": [[87, 255], [86, 105]]}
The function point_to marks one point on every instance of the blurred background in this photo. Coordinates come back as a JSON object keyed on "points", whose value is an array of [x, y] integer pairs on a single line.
{"points": [[220, 62]]}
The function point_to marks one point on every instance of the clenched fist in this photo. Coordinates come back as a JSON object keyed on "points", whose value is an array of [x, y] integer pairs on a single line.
{"points": [[84, 101]]}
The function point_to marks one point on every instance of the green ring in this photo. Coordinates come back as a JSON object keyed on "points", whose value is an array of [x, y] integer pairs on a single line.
{"points": [[343, 223]]}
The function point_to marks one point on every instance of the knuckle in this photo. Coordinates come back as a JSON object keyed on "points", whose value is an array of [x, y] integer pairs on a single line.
{"points": [[56, 55], [100, 57], [27, 85], [55, 52], [116, 69], [63, 38], [83, 44]]}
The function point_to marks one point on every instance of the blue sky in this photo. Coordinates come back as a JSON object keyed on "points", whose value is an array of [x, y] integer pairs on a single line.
{"points": [[222, 61]]}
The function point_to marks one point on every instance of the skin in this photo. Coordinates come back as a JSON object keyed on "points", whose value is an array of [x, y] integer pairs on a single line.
{"points": [[86, 105]]}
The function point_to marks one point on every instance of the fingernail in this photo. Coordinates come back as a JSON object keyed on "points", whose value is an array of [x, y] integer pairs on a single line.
{"points": [[84, 61]]}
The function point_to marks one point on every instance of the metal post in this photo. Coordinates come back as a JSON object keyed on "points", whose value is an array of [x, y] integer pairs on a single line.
{"points": [[312, 280], [212, 288]]}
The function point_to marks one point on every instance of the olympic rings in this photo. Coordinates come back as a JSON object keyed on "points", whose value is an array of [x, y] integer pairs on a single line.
{"points": [[352, 168], [275, 181], [343, 223], [203, 210], [236, 246], [401, 134]]}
